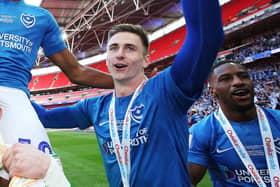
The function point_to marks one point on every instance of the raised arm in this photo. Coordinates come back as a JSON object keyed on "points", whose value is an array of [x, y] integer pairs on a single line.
{"points": [[80, 74], [204, 38]]}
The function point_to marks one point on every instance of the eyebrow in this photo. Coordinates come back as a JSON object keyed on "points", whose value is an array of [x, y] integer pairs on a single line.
{"points": [[223, 75], [237, 73], [126, 44]]}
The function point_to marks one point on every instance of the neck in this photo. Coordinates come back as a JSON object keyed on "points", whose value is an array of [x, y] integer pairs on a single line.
{"points": [[239, 115], [126, 88]]}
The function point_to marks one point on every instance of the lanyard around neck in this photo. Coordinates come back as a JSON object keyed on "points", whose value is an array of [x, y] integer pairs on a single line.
{"points": [[269, 147], [122, 149]]}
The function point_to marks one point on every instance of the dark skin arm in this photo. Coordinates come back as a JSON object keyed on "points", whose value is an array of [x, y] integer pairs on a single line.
{"points": [[196, 173], [80, 74]]}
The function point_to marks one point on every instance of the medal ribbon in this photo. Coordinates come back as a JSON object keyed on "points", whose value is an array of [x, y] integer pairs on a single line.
{"points": [[269, 147], [122, 150]]}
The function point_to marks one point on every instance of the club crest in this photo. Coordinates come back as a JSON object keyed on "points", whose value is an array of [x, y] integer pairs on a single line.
{"points": [[27, 20], [136, 113]]}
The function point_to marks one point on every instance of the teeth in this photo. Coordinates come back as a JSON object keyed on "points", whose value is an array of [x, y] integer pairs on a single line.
{"points": [[240, 92], [120, 65]]}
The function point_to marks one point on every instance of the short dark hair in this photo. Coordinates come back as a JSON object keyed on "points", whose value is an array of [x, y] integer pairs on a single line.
{"points": [[218, 64], [135, 29]]}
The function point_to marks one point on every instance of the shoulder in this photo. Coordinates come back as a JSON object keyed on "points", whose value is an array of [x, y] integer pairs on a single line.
{"points": [[97, 103], [96, 100], [204, 130], [163, 76], [36, 9], [41, 15], [204, 124], [201, 137], [272, 112]]}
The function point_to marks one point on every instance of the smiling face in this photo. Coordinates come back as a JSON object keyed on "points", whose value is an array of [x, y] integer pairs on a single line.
{"points": [[126, 57], [232, 86]]}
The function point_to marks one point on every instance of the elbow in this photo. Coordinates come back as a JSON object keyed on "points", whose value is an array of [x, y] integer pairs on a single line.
{"points": [[77, 78], [74, 80]]}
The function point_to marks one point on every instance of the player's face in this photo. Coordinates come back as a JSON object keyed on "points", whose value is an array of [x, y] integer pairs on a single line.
{"points": [[125, 57], [233, 87]]}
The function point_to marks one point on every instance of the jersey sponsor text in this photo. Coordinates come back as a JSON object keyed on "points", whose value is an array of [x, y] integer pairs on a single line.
{"points": [[14, 41]]}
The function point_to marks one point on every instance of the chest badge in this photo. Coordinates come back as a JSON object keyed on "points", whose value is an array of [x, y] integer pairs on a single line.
{"points": [[27, 20]]}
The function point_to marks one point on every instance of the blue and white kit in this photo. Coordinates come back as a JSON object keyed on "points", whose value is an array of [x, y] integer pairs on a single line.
{"points": [[23, 29], [159, 130], [211, 147]]}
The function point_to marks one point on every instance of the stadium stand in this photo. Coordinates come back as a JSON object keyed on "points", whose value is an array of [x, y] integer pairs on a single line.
{"points": [[172, 43], [237, 9]]}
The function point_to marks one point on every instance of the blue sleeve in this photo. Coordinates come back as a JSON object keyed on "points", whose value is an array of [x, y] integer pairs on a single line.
{"points": [[52, 41], [62, 117], [204, 37], [199, 143]]}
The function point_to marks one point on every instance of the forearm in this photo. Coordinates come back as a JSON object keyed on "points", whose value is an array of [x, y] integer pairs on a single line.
{"points": [[61, 117], [80, 74], [204, 37], [92, 77]]}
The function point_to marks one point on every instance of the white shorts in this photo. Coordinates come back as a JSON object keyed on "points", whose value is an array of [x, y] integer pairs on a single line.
{"points": [[19, 122]]}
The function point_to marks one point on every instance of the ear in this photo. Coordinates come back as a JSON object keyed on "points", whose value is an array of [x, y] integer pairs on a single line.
{"points": [[107, 64], [212, 92], [146, 61]]}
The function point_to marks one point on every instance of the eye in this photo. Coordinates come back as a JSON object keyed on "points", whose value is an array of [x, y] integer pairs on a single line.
{"points": [[130, 48], [113, 48], [225, 78], [245, 76]]}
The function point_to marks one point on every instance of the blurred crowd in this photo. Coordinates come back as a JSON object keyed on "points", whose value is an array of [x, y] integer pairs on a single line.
{"points": [[264, 43], [257, 45]]}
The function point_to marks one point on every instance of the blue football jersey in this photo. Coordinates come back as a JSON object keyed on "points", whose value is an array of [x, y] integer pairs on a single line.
{"points": [[23, 29], [159, 130], [159, 134], [211, 147]]}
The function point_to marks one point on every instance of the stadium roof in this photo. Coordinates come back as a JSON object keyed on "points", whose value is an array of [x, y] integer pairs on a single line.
{"points": [[85, 23]]}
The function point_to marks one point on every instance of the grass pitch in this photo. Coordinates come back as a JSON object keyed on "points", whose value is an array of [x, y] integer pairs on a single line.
{"points": [[81, 159]]}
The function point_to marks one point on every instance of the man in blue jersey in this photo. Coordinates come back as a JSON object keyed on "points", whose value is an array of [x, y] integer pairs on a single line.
{"points": [[23, 29], [141, 126], [240, 142]]}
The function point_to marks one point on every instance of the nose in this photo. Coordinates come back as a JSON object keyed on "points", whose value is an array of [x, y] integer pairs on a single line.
{"points": [[120, 53], [237, 81]]}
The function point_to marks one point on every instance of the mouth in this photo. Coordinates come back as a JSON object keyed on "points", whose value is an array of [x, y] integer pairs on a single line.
{"points": [[241, 93], [120, 66]]}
